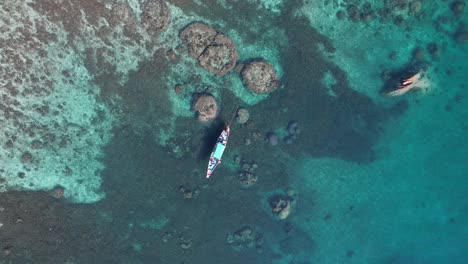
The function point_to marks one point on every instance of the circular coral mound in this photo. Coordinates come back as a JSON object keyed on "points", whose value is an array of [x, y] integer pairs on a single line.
{"points": [[155, 16], [260, 77], [206, 107], [220, 56], [197, 36]]}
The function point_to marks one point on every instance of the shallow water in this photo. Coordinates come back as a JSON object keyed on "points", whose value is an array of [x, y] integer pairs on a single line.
{"points": [[104, 161]]}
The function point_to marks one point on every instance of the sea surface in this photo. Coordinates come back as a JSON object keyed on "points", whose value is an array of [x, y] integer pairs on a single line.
{"points": [[103, 158]]}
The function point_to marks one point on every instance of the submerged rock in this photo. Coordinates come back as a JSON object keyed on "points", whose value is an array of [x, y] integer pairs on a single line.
{"points": [[260, 77], [155, 16], [281, 206], [434, 49], [249, 166], [293, 132], [188, 193], [206, 108], [186, 244], [242, 116], [272, 139], [247, 179], [293, 128], [57, 192]]}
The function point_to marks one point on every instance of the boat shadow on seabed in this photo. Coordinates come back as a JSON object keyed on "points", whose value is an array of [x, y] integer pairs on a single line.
{"points": [[209, 138]]}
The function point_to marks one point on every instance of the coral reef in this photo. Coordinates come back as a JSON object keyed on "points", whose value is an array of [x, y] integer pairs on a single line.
{"points": [[53, 124], [260, 77]]}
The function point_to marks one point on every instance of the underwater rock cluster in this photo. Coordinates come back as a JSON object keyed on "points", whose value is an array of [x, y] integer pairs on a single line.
{"points": [[247, 176], [189, 193], [246, 237]]}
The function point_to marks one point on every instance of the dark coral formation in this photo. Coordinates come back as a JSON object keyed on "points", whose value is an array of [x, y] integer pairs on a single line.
{"points": [[215, 51], [260, 77], [155, 16]]}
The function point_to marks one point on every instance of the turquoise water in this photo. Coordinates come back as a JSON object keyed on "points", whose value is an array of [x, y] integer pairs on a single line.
{"points": [[103, 159]]}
